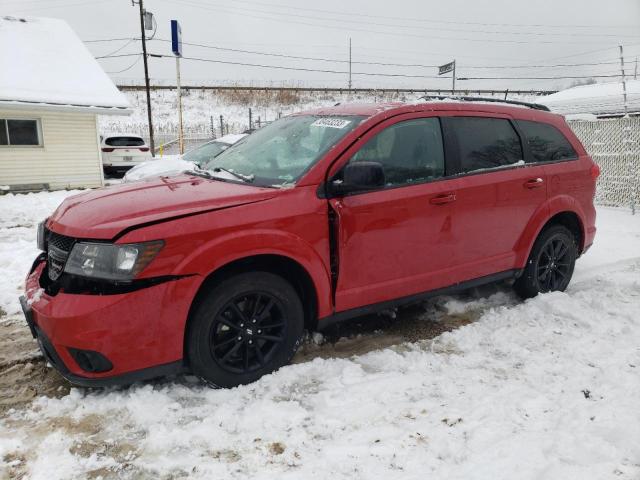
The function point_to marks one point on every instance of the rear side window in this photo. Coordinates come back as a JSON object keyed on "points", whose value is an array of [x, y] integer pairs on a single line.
{"points": [[124, 142], [485, 142], [546, 142]]}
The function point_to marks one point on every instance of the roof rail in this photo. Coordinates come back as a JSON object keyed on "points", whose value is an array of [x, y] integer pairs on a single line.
{"points": [[535, 106]]}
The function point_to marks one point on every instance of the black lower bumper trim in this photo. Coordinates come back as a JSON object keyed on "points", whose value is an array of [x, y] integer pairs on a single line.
{"points": [[51, 356], [128, 378]]}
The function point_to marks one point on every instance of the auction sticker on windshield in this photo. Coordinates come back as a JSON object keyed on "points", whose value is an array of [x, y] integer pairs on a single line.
{"points": [[331, 122]]}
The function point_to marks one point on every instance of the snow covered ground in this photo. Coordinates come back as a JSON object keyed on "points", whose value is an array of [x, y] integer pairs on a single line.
{"points": [[545, 389]]}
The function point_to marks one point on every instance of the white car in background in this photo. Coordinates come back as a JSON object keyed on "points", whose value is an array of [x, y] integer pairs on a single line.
{"points": [[175, 164], [120, 153]]}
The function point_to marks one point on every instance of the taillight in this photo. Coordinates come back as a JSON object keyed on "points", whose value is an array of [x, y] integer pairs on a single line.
{"points": [[595, 171], [107, 149], [144, 149]]}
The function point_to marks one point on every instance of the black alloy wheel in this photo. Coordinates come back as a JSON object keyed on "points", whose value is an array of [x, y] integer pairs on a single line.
{"points": [[247, 332], [554, 264], [244, 327], [550, 264]]}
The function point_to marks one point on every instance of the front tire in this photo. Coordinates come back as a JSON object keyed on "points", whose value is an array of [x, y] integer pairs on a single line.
{"points": [[247, 326], [550, 264]]}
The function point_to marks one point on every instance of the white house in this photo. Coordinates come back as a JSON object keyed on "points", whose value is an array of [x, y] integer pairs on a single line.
{"points": [[51, 91]]}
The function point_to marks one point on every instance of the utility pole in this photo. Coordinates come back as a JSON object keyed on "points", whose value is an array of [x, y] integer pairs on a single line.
{"points": [[349, 64], [624, 82], [146, 72], [635, 73]]}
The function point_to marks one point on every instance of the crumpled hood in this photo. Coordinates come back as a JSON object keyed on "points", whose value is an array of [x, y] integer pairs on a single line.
{"points": [[103, 213]]}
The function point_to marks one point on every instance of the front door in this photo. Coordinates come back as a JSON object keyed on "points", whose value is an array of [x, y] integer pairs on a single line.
{"points": [[396, 241]]}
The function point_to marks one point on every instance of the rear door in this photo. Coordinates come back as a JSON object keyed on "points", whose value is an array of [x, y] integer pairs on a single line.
{"points": [[566, 174], [497, 194]]}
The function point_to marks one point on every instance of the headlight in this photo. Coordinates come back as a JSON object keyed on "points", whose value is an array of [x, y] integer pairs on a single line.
{"points": [[108, 261], [40, 236]]}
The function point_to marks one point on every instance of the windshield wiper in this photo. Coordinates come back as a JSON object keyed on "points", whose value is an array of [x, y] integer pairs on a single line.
{"points": [[244, 178]]}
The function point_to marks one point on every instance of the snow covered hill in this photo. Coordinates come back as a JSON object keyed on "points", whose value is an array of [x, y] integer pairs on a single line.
{"points": [[545, 389]]}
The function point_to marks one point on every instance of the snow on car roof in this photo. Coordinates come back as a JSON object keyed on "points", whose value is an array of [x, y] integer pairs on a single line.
{"points": [[43, 62], [231, 138]]}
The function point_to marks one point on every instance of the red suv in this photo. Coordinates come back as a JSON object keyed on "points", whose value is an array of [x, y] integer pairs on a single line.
{"points": [[316, 218]]}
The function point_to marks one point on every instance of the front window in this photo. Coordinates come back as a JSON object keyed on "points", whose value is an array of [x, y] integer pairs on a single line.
{"points": [[284, 150], [205, 153]]}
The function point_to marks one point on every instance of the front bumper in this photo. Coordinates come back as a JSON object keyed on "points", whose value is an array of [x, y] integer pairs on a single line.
{"points": [[140, 333]]}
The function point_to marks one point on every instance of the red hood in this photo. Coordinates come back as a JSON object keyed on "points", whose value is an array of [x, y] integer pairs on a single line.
{"points": [[105, 212]]}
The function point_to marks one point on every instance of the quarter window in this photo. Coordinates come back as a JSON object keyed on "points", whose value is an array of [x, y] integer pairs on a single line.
{"points": [[485, 143], [546, 142], [19, 132], [409, 151]]}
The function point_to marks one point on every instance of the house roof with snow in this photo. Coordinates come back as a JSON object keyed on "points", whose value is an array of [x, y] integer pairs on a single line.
{"points": [[597, 99], [45, 65]]}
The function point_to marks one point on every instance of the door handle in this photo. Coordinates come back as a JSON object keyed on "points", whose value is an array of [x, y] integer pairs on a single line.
{"points": [[443, 199], [534, 183]]}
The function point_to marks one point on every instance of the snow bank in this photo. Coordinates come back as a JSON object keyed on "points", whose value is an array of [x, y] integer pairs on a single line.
{"points": [[44, 61], [547, 388], [19, 217]]}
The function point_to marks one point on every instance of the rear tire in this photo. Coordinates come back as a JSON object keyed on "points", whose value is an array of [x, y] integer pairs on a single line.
{"points": [[550, 264], [247, 326]]}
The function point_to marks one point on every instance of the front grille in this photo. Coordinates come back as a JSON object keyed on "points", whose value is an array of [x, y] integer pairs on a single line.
{"points": [[61, 242], [58, 249]]}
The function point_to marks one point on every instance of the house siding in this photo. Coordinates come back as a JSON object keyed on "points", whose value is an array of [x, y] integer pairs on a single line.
{"points": [[68, 158]]}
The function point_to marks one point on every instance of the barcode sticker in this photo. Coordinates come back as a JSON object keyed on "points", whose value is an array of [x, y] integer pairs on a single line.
{"points": [[331, 123]]}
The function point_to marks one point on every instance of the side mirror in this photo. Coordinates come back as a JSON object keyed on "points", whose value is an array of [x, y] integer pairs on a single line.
{"points": [[359, 176]]}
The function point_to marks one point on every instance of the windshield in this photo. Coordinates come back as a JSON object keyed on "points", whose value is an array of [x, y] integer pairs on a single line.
{"points": [[282, 151], [205, 153]]}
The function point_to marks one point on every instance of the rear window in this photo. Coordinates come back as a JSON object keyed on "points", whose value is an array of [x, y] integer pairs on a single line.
{"points": [[124, 142], [546, 142], [485, 142]]}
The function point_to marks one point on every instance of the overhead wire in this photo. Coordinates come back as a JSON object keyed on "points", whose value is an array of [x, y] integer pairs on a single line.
{"points": [[250, 13]]}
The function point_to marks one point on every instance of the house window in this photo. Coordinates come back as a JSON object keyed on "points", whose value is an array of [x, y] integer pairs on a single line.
{"points": [[20, 132]]}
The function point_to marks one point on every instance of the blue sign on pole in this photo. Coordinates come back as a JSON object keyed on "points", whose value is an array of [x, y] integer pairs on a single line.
{"points": [[176, 38]]}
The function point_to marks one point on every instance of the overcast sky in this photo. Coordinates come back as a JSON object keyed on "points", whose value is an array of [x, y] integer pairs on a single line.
{"points": [[484, 33]]}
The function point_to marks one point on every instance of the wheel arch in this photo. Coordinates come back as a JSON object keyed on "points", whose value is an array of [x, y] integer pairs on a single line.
{"points": [[284, 266], [562, 210]]}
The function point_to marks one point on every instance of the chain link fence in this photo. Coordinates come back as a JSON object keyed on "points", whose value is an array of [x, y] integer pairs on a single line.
{"points": [[614, 144]]}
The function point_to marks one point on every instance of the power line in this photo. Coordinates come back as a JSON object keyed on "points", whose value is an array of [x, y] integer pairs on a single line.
{"points": [[465, 30], [437, 21], [400, 75], [135, 62], [100, 40], [116, 56], [225, 10], [119, 49], [559, 77], [300, 69], [335, 60]]}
